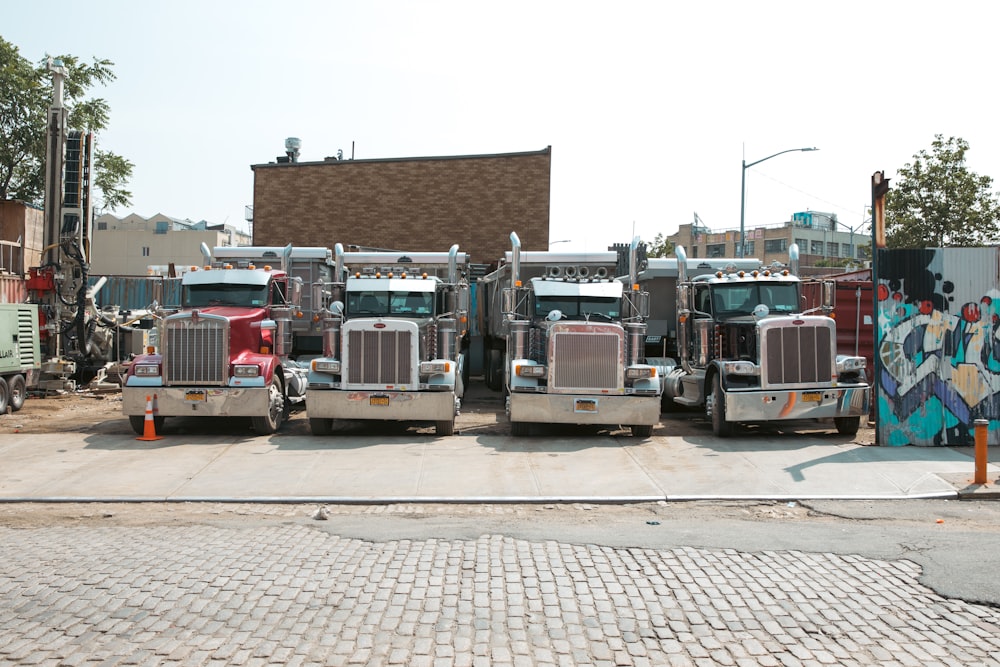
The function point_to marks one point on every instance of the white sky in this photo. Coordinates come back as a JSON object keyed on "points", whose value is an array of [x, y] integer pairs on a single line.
{"points": [[649, 106]]}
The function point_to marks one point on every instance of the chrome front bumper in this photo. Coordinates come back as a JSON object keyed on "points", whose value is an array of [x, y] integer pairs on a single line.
{"points": [[197, 401], [578, 409], [381, 405], [759, 405]]}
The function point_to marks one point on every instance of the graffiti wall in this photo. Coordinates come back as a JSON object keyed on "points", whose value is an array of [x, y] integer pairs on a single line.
{"points": [[938, 320]]}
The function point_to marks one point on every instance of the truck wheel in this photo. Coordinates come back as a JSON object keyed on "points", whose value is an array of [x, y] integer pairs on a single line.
{"points": [[642, 430], [847, 425], [269, 423], [717, 410], [444, 427], [18, 392], [320, 425], [4, 396], [138, 424]]}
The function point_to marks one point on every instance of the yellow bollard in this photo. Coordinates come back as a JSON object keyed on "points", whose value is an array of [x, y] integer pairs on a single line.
{"points": [[981, 428]]}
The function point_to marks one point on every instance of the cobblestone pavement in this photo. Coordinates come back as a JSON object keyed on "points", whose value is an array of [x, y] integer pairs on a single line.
{"points": [[289, 591]]}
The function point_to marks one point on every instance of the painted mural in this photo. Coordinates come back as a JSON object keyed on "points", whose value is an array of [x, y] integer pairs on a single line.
{"points": [[938, 345]]}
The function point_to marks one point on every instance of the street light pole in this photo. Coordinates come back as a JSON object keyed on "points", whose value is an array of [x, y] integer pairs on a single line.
{"points": [[741, 243]]}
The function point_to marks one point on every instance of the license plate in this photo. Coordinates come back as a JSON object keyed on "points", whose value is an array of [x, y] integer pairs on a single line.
{"points": [[812, 396], [585, 405], [195, 396], [378, 400]]}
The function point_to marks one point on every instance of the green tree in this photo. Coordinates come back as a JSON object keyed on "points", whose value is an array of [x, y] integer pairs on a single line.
{"points": [[660, 247], [25, 97], [937, 202]]}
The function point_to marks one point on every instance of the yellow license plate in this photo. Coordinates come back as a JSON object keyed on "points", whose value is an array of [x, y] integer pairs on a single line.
{"points": [[378, 400], [195, 396], [812, 396], [585, 405]]}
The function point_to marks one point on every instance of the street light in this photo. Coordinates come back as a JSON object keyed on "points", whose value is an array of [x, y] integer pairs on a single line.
{"points": [[743, 191]]}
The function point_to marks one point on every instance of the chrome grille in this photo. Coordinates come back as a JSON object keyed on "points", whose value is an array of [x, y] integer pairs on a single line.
{"points": [[196, 352], [586, 360], [798, 354], [379, 357]]}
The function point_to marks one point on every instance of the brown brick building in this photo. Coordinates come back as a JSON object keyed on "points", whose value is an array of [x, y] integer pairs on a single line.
{"points": [[408, 204]]}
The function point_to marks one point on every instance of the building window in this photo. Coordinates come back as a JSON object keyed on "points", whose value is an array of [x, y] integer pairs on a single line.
{"points": [[161, 227], [831, 249], [748, 249], [694, 251], [845, 250], [815, 247], [715, 250], [775, 245], [101, 226], [145, 251], [802, 244]]}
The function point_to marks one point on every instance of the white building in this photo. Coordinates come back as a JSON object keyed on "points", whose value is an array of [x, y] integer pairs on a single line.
{"points": [[138, 246]]}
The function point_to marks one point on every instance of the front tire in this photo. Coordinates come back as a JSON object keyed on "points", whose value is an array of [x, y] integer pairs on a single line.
{"points": [[4, 396], [269, 423], [717, 411], [444, 427], [847, 425], [18, 392], [642, 430]]}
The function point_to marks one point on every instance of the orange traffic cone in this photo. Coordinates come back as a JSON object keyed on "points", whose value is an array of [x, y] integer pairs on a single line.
{"points": [[148, 427]]}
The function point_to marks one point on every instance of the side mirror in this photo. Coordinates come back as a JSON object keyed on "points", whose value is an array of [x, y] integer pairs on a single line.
{"points": [[507, 301], [829, 294], [642, 304]]}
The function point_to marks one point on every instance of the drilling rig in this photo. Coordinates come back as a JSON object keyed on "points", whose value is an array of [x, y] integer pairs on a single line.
{"points": [[73, 332]]}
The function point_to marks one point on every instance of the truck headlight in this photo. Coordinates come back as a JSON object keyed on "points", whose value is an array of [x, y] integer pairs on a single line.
{"points": [[850, 364], [246, 371], [739, 368], [147, 370], [529, 371], [326, 366], [432, 367], [640, 372]]}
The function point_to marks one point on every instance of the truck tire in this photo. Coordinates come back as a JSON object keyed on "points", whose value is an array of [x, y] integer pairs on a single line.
{"points": [[269, 423], [847, 425], [717, 410], [444, 427], [321, 425], [642, 430], [138, 424], [18, 392], [4, 396]]}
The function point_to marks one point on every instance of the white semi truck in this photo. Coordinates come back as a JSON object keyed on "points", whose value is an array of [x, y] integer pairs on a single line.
{"points": [[563, 338], [394, 340]]}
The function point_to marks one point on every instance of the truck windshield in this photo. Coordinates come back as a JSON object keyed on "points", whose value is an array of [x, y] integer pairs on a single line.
{"points": [[742, 298], [249, 296], [407, 304], [579, 308]]}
